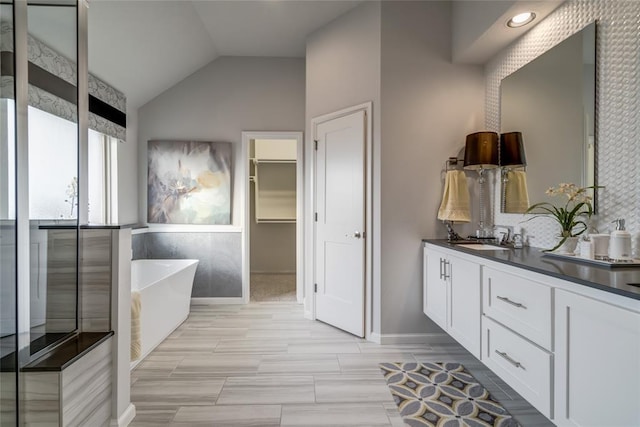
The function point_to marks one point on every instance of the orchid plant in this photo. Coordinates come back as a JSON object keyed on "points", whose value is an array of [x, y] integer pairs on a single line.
{"points": [[572, 215]]}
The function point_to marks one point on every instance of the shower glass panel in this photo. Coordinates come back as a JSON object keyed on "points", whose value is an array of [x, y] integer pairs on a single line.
{"points": [[8, 289], [53, 172]]}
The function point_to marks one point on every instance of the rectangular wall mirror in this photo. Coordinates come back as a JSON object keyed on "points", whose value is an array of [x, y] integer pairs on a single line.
{"points": [[551, 100]]}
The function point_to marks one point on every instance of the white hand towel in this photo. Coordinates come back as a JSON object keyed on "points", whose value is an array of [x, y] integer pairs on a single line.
{"points": [[516, 193], [455, 204], [136, 341]]}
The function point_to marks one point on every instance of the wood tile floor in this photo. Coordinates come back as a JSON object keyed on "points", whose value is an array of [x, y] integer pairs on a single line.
{"points": [[264, 365]]}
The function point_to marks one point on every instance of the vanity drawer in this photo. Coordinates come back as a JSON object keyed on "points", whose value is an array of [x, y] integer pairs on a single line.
{"points": [[521, 364], [519, 304]]}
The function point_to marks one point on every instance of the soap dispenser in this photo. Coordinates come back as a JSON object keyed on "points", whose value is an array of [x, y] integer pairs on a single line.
{"points": [[620, 241]]}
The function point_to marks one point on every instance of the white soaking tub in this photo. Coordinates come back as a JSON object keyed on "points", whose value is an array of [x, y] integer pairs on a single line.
{"points": [[165, 295]]}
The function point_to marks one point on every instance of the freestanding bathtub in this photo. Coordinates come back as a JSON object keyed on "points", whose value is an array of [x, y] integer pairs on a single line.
{"points": [[165, 295]]}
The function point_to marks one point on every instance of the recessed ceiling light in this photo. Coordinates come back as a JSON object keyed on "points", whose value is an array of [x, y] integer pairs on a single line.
{"points": [[521, 19]]}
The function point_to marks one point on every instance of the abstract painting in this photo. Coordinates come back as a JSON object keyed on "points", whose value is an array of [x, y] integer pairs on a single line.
{"points": [[189, 182]]}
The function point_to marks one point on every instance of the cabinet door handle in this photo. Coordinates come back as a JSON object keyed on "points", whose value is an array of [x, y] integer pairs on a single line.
{"points": [[508, 301], [443, 269], [447, 263], [506, 357]]}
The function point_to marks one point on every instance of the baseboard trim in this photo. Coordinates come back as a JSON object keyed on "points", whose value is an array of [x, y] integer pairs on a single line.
{"points": [[308, 315], [218, 300], [373, 337], [274, 272], [125, 419], [432, 338]]}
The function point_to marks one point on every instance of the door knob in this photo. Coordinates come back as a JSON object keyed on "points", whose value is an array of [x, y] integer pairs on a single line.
{"points": [[355, 235]]}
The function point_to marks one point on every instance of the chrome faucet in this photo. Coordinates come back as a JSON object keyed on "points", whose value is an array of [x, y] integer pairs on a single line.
{"points": [[451, 233], [507, 236]]}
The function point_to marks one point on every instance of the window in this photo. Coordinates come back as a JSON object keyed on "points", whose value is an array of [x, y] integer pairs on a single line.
{"points": [[53, 170], [103, 179]]}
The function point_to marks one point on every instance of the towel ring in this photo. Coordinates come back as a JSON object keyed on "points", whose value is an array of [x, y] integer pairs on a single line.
{"points": [[452, 163]]}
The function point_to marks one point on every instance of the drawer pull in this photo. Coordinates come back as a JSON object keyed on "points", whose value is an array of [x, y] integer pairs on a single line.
{"points": [[508, 301], [506, 357]]}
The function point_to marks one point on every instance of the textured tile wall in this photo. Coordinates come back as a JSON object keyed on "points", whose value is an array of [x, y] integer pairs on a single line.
{"points": [[618, 109], [139, 246], [61, 281], [95, 280], [219, 272]]}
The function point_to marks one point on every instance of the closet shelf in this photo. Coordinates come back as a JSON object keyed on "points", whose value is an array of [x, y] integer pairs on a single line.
{"points": [[274, 176]]}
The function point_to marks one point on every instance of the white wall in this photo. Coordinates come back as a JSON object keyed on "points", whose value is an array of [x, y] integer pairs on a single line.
{"points": [[217, 103], [128, 172], [429, 105], [343, 69]]}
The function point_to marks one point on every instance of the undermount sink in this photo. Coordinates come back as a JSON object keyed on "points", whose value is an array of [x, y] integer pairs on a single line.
{"points": [[482, 247]]}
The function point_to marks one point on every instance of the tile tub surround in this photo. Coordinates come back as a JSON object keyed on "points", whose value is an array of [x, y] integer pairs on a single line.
{"points": [[264, 364], [219, 272]]}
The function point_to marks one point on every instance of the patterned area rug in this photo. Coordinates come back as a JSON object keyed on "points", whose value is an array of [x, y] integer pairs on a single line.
{"points": [[442, 394]]}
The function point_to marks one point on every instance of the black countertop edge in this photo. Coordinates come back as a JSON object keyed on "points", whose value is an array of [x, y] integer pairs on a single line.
{"points": [[613, 280], [89, 226], [108, 226], [57, 227], [68, 352]]}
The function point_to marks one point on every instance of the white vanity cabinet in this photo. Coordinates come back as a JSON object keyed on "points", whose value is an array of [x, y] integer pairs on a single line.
{"points": [[435, 286], [570, 350], [597, 369], [452, 296], [517, 333]]}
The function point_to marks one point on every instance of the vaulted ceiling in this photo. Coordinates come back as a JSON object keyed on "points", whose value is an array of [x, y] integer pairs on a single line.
{"points": [[143, 47]]}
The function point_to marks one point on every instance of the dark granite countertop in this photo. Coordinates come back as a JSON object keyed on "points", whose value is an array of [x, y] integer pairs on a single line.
{"points": [[68, 352], [620, 280]]}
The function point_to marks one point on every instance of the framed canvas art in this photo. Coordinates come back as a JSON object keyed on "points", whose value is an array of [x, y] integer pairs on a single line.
{"points": [[189, 182]]}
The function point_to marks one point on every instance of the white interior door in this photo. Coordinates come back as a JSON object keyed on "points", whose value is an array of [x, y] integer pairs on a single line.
{"points": [[340, 222]]}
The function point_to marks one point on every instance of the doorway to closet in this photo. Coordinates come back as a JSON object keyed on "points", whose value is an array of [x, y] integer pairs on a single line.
{"points": [[273, 228]]}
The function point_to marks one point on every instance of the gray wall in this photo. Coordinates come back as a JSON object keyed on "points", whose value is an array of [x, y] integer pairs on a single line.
{"points": [[429, 105], [343, 69], [397, 54], [217, 103]]}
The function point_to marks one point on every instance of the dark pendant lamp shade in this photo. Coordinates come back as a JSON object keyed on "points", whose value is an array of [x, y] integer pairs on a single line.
{"points": [[481, 151], [512, 150]]}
